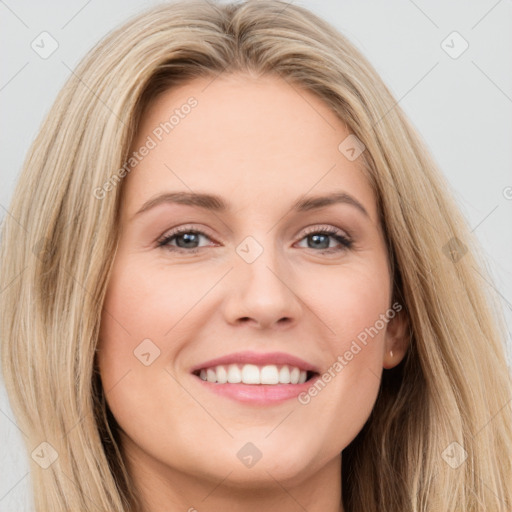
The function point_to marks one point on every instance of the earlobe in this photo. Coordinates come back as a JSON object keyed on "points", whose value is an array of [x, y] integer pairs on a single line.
{"points": [[397, 340]]}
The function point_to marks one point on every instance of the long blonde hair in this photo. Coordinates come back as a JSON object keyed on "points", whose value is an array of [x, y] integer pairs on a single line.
{"points": [[60, 239]]}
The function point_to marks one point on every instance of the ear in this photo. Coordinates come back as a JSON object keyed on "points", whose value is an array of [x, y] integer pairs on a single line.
{"points": [[396, 340]]}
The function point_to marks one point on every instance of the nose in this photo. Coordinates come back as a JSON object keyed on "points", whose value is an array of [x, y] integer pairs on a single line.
{"points": [[262, 293]]}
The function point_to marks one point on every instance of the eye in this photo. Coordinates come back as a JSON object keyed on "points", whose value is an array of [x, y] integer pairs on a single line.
{"points": [[186, 239], [320, 237], [183, 239]]}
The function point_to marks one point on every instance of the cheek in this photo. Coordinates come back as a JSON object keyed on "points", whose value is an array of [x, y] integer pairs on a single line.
{"points": [[132, 354], [147, 303], [351, 302], [147, 317], [132, 325]]}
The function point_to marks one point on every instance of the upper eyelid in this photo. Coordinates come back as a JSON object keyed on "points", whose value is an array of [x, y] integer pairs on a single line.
{"points": [[185, 229], [325, 227]]}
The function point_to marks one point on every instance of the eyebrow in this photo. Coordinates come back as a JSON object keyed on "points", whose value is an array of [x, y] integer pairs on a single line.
{"points": [[216, 203]]}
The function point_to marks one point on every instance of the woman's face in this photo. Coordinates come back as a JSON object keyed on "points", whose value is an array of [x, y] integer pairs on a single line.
{"points": [[279, 273]]}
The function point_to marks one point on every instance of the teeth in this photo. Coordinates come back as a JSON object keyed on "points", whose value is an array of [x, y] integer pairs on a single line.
{"points": [[222, 374], [250, 374], [269, 374], [253, 374], [284, 375], [234, 374]]}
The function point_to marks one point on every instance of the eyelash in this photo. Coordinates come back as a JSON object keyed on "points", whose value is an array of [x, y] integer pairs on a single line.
{"points": [[345, 241]]}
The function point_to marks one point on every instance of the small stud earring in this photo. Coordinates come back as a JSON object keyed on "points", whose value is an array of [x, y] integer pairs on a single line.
{"points": [[391, 353]]}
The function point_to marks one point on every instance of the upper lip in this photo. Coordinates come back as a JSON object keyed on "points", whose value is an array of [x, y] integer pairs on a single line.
{"points": [[258, 358]]}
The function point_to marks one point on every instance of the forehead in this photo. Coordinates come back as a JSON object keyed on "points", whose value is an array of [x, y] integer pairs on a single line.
{"points": [[251, 139]]}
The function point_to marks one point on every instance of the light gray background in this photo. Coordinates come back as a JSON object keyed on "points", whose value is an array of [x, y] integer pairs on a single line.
{"points": [[461, 106]]}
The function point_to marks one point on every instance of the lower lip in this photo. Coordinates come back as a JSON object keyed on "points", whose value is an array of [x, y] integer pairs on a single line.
{"points": [[258, 394]]}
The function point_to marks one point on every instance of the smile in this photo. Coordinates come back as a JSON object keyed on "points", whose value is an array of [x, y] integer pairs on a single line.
{"points": [[256, 378], [254, 374]]}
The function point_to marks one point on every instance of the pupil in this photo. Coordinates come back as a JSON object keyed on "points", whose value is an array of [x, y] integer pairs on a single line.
{"points": [[189, 238], [317, 238]]}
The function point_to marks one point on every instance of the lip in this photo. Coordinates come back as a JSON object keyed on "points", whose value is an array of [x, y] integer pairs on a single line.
{"points": [[260, 359], [257, 394]]}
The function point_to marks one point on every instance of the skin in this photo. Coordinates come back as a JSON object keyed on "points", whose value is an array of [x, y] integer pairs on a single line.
{"points": [[261, 145]]}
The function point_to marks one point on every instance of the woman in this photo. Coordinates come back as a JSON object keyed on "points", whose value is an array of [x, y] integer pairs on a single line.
{"points": [[244, 285]]}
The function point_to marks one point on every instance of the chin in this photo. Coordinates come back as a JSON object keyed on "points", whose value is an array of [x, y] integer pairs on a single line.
{"points": [[260, 463]]}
